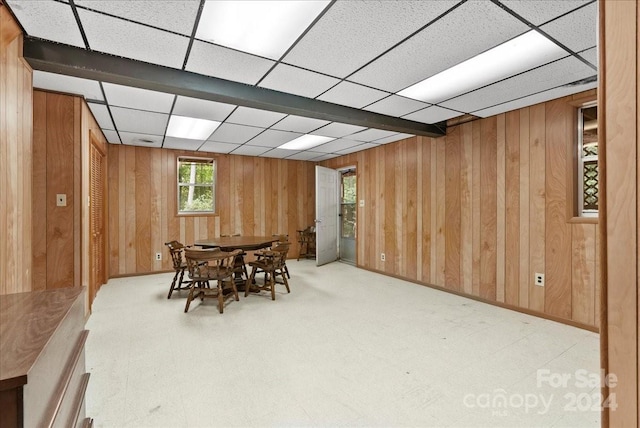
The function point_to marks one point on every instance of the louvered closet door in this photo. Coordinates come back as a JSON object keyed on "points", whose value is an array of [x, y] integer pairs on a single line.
{"points": [[97, 239]]}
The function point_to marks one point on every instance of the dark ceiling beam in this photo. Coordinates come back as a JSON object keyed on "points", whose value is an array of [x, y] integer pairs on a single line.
{"points": [[69, 60]]}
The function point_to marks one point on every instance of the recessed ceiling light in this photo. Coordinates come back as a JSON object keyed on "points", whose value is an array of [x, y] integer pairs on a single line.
{"points": [[305, 142], [190, 128], [265, 28], [522, 53]]}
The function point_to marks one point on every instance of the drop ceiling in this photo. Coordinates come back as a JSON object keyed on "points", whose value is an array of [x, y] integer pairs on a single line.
{"points": [[358, 54]]}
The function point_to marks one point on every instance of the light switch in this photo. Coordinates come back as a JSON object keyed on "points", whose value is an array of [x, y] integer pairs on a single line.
{"points": [[362, 202], [61, 200]]}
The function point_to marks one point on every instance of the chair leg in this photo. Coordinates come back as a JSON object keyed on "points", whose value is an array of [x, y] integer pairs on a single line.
{"points": [[286, 270], [284, 279], [272, 281], [173, 284], [190, 296], [250, 280], [220, 297], [235, 289]]}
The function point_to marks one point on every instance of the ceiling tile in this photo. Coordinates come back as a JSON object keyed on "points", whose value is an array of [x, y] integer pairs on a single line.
{"points": [[112, 136], [237, 134], [352, 95], [472, 28], [324, 157], [540, 97], [336, 145], [202, 109], [139, 121], [540, 11], [129, 40], [101, 113], [299, 124], [540, 79], [361, 147], [297, 81], [247, 150], [395, 105], [352, 33], [371, 134], [144, 140], [181, 143], [254, 117], [216, 147], [305, 156], [176, 16], [432, 114], [590, 55], [273, 138], [48, 20], [276, 153], [577, 30], [217, 61], [338, 130], [90, 89], [136, 98], [392, 138]]}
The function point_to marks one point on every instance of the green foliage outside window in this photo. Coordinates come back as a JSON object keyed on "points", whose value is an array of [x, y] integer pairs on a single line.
{"points": [[196, 185]]}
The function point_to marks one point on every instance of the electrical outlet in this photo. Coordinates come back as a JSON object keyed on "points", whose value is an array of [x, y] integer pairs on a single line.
{"points": [[538, 279], [61, 200], [362, 202], [382, 257], [158, 256]]}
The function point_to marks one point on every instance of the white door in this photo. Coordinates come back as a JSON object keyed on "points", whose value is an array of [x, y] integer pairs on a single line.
{"points": [[326, 215]]}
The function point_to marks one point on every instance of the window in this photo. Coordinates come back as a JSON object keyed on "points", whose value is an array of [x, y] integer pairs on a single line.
{"points": [[196, 185], [588, 160]]}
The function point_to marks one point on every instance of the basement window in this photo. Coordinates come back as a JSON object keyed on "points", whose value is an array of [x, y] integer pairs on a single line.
{"points": [[588, 160], [196, 185]]}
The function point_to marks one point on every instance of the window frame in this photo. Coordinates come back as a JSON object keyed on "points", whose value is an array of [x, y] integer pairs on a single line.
{"points": [[581, 160], [179, 185]]}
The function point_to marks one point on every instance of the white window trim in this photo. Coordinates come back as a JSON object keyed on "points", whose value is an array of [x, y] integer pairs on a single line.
{"points": [[581, 160], [178, 184]]}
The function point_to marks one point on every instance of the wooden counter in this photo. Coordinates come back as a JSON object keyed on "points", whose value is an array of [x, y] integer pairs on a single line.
{"points": [[42, 369]]}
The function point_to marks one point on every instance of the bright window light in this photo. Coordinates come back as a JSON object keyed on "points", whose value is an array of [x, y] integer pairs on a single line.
{"points": [[190, 128], [524, 52], [305, 142], [265, 28]]}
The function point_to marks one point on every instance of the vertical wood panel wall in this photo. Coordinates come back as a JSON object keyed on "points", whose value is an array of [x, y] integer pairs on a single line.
{"points": [[16, 160], [493, 209], [255, 196]]}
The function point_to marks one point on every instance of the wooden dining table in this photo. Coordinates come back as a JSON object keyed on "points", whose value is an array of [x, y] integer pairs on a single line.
{"points": [[244, 243]]}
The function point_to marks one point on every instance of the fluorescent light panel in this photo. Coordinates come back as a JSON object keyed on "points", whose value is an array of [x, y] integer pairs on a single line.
{"points": [[190, 128], [522, 53], [265, 28], [306, 141]]}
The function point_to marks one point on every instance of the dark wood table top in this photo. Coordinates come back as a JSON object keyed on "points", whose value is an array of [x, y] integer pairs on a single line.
{"points": [[247, 243]]}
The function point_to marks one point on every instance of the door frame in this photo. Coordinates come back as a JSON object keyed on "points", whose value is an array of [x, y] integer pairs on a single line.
{"points": [[341, 170], [94, 286]]}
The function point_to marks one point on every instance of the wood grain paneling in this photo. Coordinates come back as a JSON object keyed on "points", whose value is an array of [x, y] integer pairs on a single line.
{"points": [[253, 195], [492, 195]]}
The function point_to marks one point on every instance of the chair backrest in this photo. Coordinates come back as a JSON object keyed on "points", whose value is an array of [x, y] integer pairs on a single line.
{"points": [[280, 251], [281, 238], [176, 249], [210, 263], [229, 235]]}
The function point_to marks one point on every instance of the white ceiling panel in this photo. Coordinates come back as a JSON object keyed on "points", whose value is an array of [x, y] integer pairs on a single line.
{"points": [[395, 105], [305, 156], [577, 30], [247, 150], [176, 16], [467, 31], [590, 55], [363, 146], [236, 134], [432, 114], [352, 95], [299, 124], [535, 99], [138, 121], [111, 136], [254, 117], [392, 138], [90, 89], [541, 79], [217, 61], [202, 109], [216, 147], [297, 81], [371, 134], [129, 40], [337, 130], [352, 33], [277, 153], [145, 140], [336, 145], [273, 138], [101, 113], [181, 143], [136, 98], [324, 157], [540, 11], [48, 20]]}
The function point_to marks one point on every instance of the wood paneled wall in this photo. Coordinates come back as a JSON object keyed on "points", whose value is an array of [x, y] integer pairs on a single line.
{"points": [[255, 196], [16, 160], [479, 211]]}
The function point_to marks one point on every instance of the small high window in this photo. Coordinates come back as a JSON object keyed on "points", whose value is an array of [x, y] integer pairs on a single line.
{"points": [[196, 185], [588, 160]]}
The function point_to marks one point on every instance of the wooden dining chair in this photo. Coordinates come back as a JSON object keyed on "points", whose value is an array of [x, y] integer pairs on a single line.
{"points": [[205, 266], [271, 262], [176, 249], [307, 242]]}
